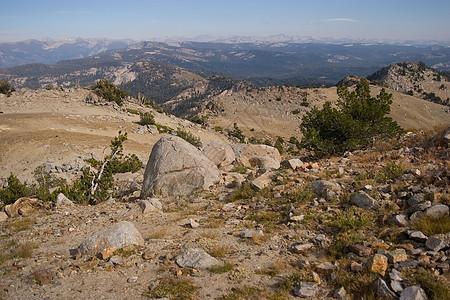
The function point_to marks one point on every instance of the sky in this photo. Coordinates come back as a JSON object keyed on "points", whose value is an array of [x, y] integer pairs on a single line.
{"points": [[147, 19]]}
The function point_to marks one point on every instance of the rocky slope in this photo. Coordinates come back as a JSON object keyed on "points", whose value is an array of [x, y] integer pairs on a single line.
{"points": [[374, 223], [415, 79]]}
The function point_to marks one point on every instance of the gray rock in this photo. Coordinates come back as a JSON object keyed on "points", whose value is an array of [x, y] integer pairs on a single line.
{"points": [[62, 200], [301, 248], [437, 211], [246, 154], [150, 205], [395, 275], [264, 180], [418, 207], [176, 168], [305, 289], [360, 250], [362, 200], [250, 233], [416, 199], [196, 258], [382, 290], [441, 139], [417, 235], [152, 129], [219, 153], [413, 293], [435, 244], [396, 286], [399, 220], [115, 237], [142, 129], [340, 294], [293, 164], [325, 189], [397, 255]]}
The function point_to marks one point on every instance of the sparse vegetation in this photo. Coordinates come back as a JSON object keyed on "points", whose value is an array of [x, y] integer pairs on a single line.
{"points": [[6, 88], [146, 118], [431, 226], [174, 288], [14, 191], [237, 133], [109, 92], [189, 137], [13, 250], [219, 269], [435, 287]]}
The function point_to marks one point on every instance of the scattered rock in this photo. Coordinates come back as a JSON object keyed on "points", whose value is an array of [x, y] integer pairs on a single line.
{"points": [[150, 205], [62, 200], [382, 290], [149, 254], [176, 168], [196, 258], [399, 220], [132, 279], [340, 294], [301, 248], [263, 181], [417, 236], [437, 211], [360, 250], [413, 292], [325, 268], [397, 255], [378, 264], [362, 200], [435, 244], [115, 237], [249, 233], [305, 289], [293, 163], [325, 189], [442, 139]]}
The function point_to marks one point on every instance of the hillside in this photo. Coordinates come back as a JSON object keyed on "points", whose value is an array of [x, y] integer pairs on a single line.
{"points": [[415, 79], [374, 223]]}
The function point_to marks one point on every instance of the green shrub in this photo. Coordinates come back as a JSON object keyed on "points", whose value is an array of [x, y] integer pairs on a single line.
{"points": [[133, 111], [357, 120], [5, 88], [237, 133], [14, 191], [202, 120], [189, 137], [109, 92], [146, 118]]}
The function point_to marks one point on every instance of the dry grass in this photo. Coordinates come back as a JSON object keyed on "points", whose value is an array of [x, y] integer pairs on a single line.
{"points": [[431, 226], [13, 250], [21, 224], [158, 234]]}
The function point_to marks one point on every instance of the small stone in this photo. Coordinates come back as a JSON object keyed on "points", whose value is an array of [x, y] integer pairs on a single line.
{"points": [[413, 293], [305, 289], [193, 223], [325, 268], [149, 254], [340, 294], [363, 200], [395, 275], [397, 255], [150, 205], [196, 258], [360, 250], [62, 200], [132, 279], [378, 264], [382, 290], [316, 278], [294, 163], [435, 244], [250, 233], [297, 218], [301, 248], [399, 220], [417, 236], [437, 211], [409, 264], [416, 199], [396, 286]]}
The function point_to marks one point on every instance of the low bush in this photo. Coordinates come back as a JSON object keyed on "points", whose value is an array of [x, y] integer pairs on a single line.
{"points": [[189, 137]]}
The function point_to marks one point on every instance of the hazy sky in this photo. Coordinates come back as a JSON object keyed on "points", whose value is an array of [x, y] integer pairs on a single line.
{"points": [[146, 19]]}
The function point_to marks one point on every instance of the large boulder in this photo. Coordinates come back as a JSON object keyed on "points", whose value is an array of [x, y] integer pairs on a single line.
{"points": [[260, 156], [117, 236], [219, 153], [176, 168]]}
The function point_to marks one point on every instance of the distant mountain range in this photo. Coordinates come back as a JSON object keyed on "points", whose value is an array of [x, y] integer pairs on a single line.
{"points": [[50, 51], [161, 70]]}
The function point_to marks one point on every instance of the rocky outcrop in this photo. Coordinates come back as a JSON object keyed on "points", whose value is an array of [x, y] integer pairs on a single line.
{"points": [[24, 206], [176, 168]]}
